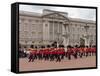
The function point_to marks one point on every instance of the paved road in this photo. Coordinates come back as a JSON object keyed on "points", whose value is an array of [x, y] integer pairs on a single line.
{"points": [[45, 65]]}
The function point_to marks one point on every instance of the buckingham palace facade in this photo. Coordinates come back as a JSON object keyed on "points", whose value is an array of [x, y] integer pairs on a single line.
{"points": [[37, 29]]}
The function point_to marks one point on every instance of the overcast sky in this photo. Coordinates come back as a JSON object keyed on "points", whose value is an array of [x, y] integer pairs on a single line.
{"points": [[83, 13]]}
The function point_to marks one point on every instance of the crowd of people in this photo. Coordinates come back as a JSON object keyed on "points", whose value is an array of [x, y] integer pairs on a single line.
{"points": [[57, 53]]}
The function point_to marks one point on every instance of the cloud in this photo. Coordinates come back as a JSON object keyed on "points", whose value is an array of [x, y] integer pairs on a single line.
{"points": [[84, 13], [87, 14], [34, 8]]}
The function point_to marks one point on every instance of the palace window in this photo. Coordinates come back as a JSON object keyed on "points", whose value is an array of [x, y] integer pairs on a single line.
{"points": [[39, 32], [32, 41], [26, 32], [25, 24], [46, 25], [22, 19], [75, 25], [33, 32], [30, 20], [36, 21]]}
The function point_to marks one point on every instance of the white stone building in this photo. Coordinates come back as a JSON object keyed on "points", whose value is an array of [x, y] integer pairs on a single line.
{"points": [[37, 29]]}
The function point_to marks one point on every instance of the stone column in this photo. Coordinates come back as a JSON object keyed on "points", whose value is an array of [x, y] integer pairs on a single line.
{"points": [[45, 31], [53, 29]]}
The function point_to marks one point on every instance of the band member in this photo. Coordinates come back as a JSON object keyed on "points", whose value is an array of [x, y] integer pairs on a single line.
{"points": [[30, 57], [58, 54], [52, 53], [62, 52], [46, 52], [81, 49], [87, 50], [75, 52], [39, 54], [69, 52], [33, 55], [84, 50], [93, 50]]}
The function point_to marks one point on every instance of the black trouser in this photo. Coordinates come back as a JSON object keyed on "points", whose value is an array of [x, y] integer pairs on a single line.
{"points": [[87, 53], [39, 56], [84, 53], [58, 57], [30, 58], [47, 57], [34, 57], [52, 57], [68, 55], [75, 55], [62, 56], [81, 54], [44, 56]]}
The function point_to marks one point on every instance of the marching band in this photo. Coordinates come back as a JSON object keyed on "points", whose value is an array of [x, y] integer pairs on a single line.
{"points": [[57, 53]]}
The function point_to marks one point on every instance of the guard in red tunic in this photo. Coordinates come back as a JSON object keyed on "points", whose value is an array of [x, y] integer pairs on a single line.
{"points": [[30, 57], [51, 56], [34, 52], [47, 53], [44, 53], [69, 52], [84, 50], [93, 50], [62, 52], [58, 54], [75, 51], [87, 50], [81, 49], [40, 51]]}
